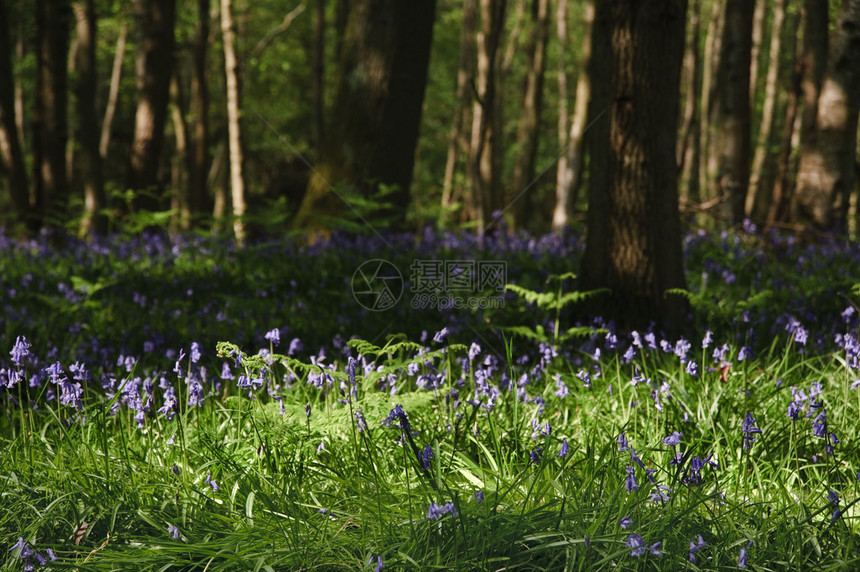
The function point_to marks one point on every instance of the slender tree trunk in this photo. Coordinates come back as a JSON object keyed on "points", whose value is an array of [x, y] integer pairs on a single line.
{"points": [[485, 140], [758, 26], [688, 147], [89, 160], [180, 201], [760, 179], [376, 115], [518, 200], [778, 209], [561, 213], [825, 177], [51, 121], [733, 109], [710, 63], [10, 145], [318, 73], [231, 69], [456, 137], [154, 21], [639, 257], [113, 92], [20, 51], [199, 164]]}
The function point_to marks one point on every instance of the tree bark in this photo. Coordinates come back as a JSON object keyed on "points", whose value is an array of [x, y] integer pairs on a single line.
{"points": [[826, 174], [732, 114], [318, 73], [154, 21], [376, 115], [113, 91], [633, 245], [179, 161], [710, 63], [518, 200], [689, 147], [234, 132], [485, 144], [10, 144], [456, 137], [759, 191], [199, 164], [89, 160], [50, 130]]}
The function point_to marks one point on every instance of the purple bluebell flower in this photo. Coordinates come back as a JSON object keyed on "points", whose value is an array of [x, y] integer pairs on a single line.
{"points": [[695, 547], [625, 522], [274, 336], [742, 558], [564, 448], [479, 495], [177, 367], [833, 499], [707, 340], [819, 425], [441, 335], [673, 440], [636, 545], [380, 565], [211, 482], [692, 368], [585, 377], [295, 347], [474, 350], [536, 455], [360, 422], [623, 445], [437, 511], [195, 352], [630, 481], [749, 430], [635, 458], [425, 456], [745, 353], [561, 389], [20, 351], [173, 530]]}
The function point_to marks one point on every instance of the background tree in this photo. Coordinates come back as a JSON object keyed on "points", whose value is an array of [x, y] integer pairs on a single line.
{"points": [[825, 178], [376, 114], [154, 27], [633, 245]]}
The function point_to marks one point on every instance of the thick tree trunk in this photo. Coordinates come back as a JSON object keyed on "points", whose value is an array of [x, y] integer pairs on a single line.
{"points": [[825, 178], [733, 110], [10, 144], [199, 164], [50, 131], [761, 176], [485, 145], [633, 245], [710, 63], [89, 160], [154, 24], [816, 18], [518, 198], [234, 132], [113, 91], [376, 115], [457, 141]]}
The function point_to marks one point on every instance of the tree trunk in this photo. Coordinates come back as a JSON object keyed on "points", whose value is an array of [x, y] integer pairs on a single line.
{"points": [[50, 130], [371, 139], [318, 74], [113, 92], [689, 146], [732, 114], [485, 144], [10, 144], [758, 25], [710, 63], [179, 160], [777, 209], [456, 138], [154, 24], [518, 200], [199, 163], [89, 161], [761, 174], [234, 133], [633, 246], [825, 178], [816, 19]]}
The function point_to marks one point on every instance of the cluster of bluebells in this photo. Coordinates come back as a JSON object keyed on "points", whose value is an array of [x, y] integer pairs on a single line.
{"points": [[436, 511], [811, 406], [31, 558]]}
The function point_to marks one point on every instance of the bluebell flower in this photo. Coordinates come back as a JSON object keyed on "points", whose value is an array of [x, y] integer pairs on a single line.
{"points": [[625, 522], [360, 422], [436, 511], [561, 389], [630, 481], [635, 458], [226, 373], [211, 482], [695, 547], [195, 352], [819, 425], [623, 445], [177, 367], [295, 347], [274, 336], [173, 530], [441, 335], [20, 351], [379, 563], [745, 353], [637, 546], [585, 377], [425, 456], [479, 495], [564, 448], [706, 341], [692, 368], [749, 430], [474, 350], [673, 440], [536, 455], [682, 346], [742, 558], [629, 354]]}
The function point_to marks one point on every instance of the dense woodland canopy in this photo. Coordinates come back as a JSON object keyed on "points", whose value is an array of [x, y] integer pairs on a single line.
{"points": [[631, 118]]}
